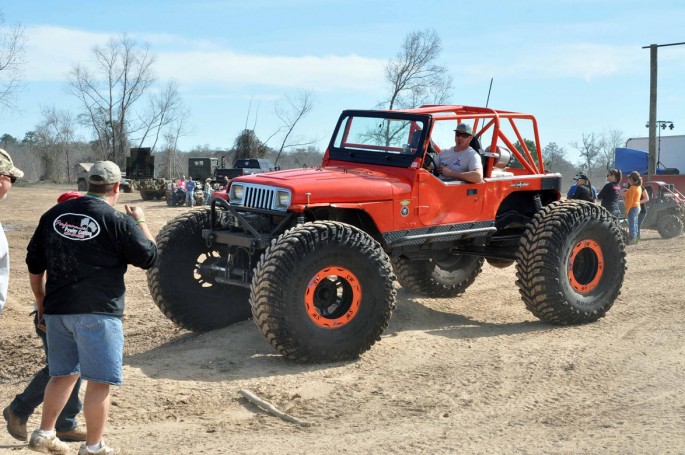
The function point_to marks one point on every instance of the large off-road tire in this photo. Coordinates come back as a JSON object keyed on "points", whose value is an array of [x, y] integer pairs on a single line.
{"points": [[185, 297], [438, 278], [323, 292], [147, 195], [669, 226], [82, 185], [571, 263]]}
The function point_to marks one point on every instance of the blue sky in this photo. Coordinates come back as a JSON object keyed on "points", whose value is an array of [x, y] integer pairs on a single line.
{"points": [[578, 66]]}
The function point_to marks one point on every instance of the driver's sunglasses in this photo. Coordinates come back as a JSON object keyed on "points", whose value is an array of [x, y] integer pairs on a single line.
{"points": [[463, 135], [11, 177]]}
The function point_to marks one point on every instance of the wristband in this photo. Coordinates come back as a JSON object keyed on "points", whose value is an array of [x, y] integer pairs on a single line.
{"points": [[142, 220]]}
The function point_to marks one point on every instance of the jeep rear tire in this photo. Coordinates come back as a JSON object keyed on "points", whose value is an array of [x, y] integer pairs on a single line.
{"points": [[147, 195], [190, 300], [669, 226], [323, 291], [571, 263], [438, 278]]}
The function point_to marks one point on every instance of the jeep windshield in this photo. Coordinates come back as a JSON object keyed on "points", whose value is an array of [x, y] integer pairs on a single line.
{"points": [[378, 137]]}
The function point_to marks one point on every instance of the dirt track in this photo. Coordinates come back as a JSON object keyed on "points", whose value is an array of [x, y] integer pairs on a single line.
{"points": [[475, 374]]}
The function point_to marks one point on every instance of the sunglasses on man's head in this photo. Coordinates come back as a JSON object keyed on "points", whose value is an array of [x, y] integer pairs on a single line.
{"points": [[463, 135], [11, 177]]}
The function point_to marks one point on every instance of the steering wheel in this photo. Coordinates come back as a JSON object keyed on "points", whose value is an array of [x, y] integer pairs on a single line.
{"points": [[432, 165]]}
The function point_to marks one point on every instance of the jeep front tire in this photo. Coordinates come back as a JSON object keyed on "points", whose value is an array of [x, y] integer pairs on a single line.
{"points": [[323, 291], [190, 299]]}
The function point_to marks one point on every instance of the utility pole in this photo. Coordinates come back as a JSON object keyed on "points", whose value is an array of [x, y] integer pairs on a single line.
{"points": [[652, 103]]}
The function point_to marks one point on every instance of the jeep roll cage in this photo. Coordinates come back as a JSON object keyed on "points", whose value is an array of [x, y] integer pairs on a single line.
{"points": [[344, 147]]}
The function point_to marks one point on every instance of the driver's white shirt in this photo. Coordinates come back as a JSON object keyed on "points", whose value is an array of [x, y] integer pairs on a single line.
{"points": [[464, 161]]}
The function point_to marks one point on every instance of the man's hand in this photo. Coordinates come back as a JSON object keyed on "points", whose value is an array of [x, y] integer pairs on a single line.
{"points": [[135, 212]]}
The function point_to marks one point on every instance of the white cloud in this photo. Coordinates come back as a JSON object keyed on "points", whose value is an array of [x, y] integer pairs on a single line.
{"points": [[306, 72], [53, 51], [583, 61]]}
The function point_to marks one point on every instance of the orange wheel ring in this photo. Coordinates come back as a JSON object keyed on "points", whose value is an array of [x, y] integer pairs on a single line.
{"points": [[332, 297], [585, 266]]}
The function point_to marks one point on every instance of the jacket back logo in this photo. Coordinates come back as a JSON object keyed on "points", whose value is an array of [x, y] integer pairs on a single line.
{"points": [[74, 226]]}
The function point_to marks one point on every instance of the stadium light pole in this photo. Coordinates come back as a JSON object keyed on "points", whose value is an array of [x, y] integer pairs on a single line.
{"points": [[661, 125], [652, 104]]}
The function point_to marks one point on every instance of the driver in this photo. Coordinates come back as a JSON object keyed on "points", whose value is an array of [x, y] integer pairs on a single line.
{"points": [[461, 162]]}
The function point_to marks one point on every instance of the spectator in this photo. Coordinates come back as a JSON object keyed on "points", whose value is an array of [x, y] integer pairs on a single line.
{"points": [[575, 185], [584, 190], [644, 199], [190, 191], [461, 161], [611, 192], [632, 202], [8, 175], [24, 404], [77, 277], [208, 190]]}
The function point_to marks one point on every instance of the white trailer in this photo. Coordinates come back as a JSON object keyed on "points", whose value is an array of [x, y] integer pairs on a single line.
{"points": [[670, 154]]}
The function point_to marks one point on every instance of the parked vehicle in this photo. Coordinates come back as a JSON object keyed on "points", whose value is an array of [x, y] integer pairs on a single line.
{"points": [[313, 254], [665, 209], [82, 169]]}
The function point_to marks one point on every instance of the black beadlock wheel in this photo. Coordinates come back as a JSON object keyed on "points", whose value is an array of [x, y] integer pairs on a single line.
{"points": [[323, 292], [571, 263], [669, 226], [442, 278], [190, 300]]}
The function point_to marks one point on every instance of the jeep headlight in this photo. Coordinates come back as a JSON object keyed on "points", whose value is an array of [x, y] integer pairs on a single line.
{"points": [[282, 200], [236, 193]]}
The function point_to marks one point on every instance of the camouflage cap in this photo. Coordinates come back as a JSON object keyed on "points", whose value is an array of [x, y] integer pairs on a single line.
{"points": [[464, 128], [7, 166], [104, 172]]}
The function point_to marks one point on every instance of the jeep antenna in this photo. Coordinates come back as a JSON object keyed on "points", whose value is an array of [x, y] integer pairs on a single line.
{"points": [[488, 100], [247, 117]]}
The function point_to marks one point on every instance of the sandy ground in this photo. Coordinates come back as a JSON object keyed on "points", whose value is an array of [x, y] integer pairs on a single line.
{"points": [[475, 374]]}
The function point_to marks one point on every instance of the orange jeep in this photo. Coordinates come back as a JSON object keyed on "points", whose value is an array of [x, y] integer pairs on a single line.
{"points": [[313, 254]]}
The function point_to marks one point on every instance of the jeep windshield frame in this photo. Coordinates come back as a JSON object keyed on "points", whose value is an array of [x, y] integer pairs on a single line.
{"points": [[386, 138]]}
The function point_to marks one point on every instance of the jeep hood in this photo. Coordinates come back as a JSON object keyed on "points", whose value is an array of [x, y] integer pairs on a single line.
{"points": [[331, 184]]}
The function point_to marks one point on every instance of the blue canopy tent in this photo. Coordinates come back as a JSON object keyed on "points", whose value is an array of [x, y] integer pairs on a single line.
{"points": [[628, 160]]}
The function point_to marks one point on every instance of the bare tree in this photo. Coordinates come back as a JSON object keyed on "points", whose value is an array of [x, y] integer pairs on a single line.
{"points": [[165, 110], [120, 76], [589, 149], [290, 116], [610, 140], [56, 143], [176, 129], [11, 61], [414, 76]]}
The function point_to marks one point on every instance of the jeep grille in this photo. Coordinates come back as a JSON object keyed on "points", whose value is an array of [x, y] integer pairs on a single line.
{"points": [[259, 197]]}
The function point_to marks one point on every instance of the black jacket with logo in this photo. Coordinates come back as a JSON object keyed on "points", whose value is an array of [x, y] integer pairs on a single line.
{"points": [[84, 244]]}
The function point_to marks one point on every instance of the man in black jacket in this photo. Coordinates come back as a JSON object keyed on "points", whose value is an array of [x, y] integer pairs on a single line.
{"points": [[77, 259], [583, 189]]}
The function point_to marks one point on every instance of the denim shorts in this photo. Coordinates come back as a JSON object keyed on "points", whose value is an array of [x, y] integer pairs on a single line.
{"points": [[91, 345]]}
